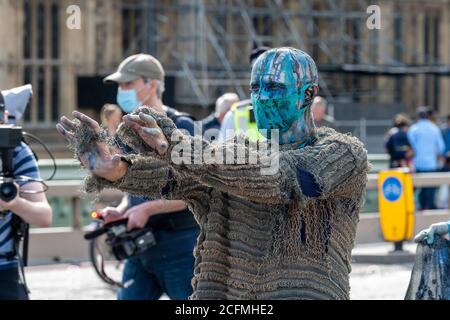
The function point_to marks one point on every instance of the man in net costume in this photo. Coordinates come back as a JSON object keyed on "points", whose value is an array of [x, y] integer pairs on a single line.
{"points": [[283, 235]]}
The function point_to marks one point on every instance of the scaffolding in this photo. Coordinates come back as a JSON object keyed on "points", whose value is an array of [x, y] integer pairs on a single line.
{"points": [[205, 44]]}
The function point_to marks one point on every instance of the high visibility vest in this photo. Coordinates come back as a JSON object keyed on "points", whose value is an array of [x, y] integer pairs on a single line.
{"points": [[243, 122]]}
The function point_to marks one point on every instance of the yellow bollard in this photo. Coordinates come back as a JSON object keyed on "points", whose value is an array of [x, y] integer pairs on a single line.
{"points": [[396, 204]]}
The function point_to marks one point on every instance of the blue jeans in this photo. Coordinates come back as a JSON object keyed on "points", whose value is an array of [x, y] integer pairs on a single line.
{"points": [[11, 288], [427, 195], [168, 267], [426, 198]]}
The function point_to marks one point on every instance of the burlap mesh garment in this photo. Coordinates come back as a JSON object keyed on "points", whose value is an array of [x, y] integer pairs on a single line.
{"points": [[261, 237]]}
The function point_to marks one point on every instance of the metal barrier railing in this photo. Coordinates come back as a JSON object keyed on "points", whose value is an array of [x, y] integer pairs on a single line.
{"points": [[429, 179], [72, 189]]}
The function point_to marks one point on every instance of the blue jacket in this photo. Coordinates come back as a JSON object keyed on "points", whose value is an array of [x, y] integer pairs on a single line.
{"points": [[427, 142]]}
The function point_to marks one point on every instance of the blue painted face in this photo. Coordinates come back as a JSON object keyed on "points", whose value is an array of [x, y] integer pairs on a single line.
{"points": [[279, 80]]}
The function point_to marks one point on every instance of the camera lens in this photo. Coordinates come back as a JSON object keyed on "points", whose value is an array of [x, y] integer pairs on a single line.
{"points": [[8, 191]]}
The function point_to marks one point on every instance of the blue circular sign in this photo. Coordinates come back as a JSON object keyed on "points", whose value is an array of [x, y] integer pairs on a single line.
{"points": [[392, 189]]}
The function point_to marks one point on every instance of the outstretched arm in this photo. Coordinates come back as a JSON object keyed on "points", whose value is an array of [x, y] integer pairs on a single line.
{"points": [[139, 175], [337, 165], [143, 174]]}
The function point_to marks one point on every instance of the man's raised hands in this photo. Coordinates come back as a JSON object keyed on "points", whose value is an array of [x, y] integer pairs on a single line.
{"points": [[84, 136], [148, 130]]}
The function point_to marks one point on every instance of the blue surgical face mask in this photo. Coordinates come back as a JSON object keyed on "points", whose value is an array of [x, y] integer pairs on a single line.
{"points": [[127, 100]]}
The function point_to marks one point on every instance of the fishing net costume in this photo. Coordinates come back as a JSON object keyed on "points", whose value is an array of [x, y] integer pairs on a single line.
{"points": [[262, 236]]}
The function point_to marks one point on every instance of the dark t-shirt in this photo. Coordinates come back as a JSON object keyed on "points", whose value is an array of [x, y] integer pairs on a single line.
{"points": [[397, 146], [210, 122]]}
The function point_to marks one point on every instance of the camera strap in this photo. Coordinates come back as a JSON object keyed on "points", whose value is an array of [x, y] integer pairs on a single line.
{"points": [[21, 232]]}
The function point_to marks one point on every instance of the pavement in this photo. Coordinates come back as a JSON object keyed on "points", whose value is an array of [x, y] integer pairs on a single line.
{"points": [[377, 274], [379, 281], [69, 282], [383, 253]]}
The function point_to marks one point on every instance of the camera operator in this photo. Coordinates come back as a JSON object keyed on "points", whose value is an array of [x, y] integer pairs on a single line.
{"points": [[168, 266], [30, 204]]}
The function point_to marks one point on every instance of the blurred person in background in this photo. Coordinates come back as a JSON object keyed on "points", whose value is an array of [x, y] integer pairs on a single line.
{"points": [[223, 105], [428, 146], [168, 266], [443, 193], [446, 136], [319, 109], [111, 116], [397, 144], [432, 116]]}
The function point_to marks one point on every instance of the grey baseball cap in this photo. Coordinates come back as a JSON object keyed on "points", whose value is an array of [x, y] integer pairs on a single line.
{"points": [[136, 66], [423, 111]]}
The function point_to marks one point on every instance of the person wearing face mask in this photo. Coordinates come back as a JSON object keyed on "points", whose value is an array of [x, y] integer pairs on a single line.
{"points": [[283, 235], [140, 80], [168, 266]]}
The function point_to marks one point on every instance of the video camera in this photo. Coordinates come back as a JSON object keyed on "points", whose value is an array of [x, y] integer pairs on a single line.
{"points": [[124, 244], [15, 101]]}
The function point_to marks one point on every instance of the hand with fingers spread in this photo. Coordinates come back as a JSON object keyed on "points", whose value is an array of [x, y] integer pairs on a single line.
{"points": [[84, 136], [428, 235], [148, 130]]}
